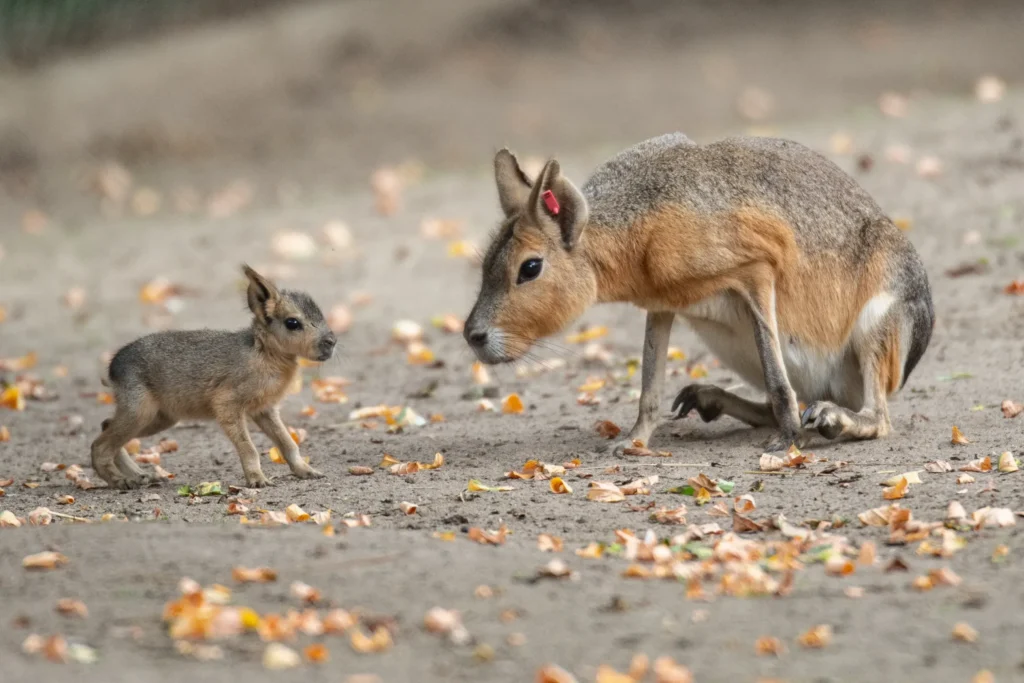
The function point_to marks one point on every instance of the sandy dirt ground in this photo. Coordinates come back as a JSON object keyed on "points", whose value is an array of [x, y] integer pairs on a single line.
{"points": [[968, 216]]}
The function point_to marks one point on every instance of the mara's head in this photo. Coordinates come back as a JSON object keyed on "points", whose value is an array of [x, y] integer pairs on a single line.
{"points": [[536, 278], [289, 323]]}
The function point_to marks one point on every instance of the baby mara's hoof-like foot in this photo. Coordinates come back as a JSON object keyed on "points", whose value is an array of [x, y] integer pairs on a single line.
{"points": [[824, 417], [257, 480], [703, 398], [309, 473], [629, 442]]}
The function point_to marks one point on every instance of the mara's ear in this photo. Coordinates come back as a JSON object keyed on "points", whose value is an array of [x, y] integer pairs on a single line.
{"points": [[262, 295], [513, 185], [554, 198]]}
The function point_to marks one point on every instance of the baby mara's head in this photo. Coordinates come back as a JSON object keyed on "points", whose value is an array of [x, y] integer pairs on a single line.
{"points": [[536, 278], [288, 323]]}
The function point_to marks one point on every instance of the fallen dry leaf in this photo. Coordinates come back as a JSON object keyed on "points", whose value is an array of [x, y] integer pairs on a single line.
{"points": [[487, 537], [911, 478], [317, 653], [770, 463], [588, 335], [993, 517], [359, 470], [666, 670], [547, 543], [408, 508], [956, 512], [817, 637], [1007, 463], [605, 492], [1011, 409], [958, 437], [769, 645], [44, 560], [980, 465], [744, 504], [898, 491], [257, 575], [296, 514], [965, 479], [607, 429], [512, 405], [378, 642], [70, 607], [277, 657], [476, 486], [558, 485], [964, 632], [938, 467], [549, 673], [1016, 288]]}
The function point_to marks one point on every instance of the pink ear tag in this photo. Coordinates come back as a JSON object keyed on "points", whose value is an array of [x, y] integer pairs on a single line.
{"points": [[551, 202]]}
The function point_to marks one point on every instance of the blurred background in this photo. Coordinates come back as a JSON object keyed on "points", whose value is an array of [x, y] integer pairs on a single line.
{"points": [[318, 94]]}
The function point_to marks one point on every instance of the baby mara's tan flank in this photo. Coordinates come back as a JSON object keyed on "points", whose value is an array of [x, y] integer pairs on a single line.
{"points": [[784, 266], [225, 376]]}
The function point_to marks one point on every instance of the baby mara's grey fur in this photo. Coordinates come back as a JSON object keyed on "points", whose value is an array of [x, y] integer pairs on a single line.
{"points": [[225, 376]]}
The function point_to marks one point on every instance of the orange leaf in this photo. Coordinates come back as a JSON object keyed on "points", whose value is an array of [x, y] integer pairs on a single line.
{"points": [[958, 437], [257, 575], [896, 492], [817, 637], [559, 486], [607, 429], [512, 405], [316, 653]]}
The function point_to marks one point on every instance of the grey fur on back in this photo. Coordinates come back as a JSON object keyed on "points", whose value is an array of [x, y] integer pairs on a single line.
{"points": [[158, 361], [827, 209]]}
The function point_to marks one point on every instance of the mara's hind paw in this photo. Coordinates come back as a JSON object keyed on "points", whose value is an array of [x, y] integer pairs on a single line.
{"points": [[825, 418], [703, 398]]}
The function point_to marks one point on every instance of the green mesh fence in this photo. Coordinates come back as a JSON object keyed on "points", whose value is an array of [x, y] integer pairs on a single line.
{"points": [[32, 31]]}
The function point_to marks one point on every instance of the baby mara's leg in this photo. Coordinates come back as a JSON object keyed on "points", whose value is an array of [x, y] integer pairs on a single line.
{"points": [[135, 410], [129, 468], [712, 402], [269, 421], [656, 337], [232, 420]]}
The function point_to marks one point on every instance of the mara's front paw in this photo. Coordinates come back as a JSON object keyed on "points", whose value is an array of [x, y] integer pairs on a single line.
{"points": [[824, 417], [309, 473], [704, 399], [257, 480]]}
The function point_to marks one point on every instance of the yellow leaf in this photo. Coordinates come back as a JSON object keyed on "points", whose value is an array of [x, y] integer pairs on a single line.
{"points": [[296, 514], [276, 457], [378, 642], [587, 335], [12, 399], [44, 560], [898, 491], [817, 637]]}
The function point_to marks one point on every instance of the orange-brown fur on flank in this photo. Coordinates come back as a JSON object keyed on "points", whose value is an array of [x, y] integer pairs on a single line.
{"points": [[672, 258], [229, 377], [788, 271]]}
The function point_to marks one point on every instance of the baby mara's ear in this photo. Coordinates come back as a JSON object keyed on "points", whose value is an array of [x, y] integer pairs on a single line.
{"points": [[513, 184], [262, 295], [555, 199]]}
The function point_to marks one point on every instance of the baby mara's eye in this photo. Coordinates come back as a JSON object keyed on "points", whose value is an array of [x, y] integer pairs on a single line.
{"points": [[293, 324], [529, 270]]}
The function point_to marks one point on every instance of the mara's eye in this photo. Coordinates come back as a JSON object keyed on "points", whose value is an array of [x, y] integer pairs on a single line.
{"points": [[529, 270], [293, 324]]}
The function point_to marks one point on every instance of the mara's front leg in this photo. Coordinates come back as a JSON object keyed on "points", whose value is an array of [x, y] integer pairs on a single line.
{"points": [[656, 336], [781, 396]]}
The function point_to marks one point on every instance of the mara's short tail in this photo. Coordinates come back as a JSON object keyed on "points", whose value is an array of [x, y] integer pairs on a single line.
{"points": [[922, 316]]}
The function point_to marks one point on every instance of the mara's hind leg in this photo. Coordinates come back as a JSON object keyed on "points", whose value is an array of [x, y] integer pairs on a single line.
{"points": [[880, 357], [269, 421], [129, 468], [712, 402], [134, 412]]}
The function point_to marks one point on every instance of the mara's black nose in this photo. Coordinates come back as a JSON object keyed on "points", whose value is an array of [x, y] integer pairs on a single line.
{"points": [[476, 337]]}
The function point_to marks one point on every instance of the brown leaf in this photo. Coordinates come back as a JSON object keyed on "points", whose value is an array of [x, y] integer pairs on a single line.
{"points": [[817, 637], [44, 560], [768, 645], [360, 470], [487, 537], [938, 467], [549, 543], [1011, 409], [257, 575], [549, 673], [607, 429], [72, 608], [605, 492], [741, 524], [898, 491]]}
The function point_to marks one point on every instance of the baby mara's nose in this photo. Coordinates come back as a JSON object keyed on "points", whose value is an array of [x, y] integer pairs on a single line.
{"points": [[327, 345]]}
